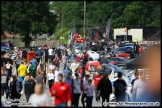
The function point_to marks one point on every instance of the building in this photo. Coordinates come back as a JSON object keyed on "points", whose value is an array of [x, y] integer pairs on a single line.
{"points": [[134, 33]]}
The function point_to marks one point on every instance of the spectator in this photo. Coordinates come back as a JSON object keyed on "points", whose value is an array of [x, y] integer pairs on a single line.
{"points": [[57, 72], [139, 88], [39, 98], [50, 78], [96, 79], [5, 81], [39, 79], [66, 71], [81, 70], [84, 59], [22, 71], [77, 90], [56, 60], [15, 87], [140, 49], [112, 54], [50, 53], [89, 89], [69, 52], [105, 88], [34, 62], [74, 65], [64, 60], [120, 87], [137, 49], [84, 93], [32, 70], [29, 87], [24, 53], [135, 71], [76, 72], [8, 68], [61, 91]]}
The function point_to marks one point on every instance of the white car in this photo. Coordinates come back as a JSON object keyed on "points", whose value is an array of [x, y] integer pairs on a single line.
{"points": [[93, 55]]}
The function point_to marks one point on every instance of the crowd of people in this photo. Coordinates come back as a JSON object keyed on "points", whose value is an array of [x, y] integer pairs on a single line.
{"points": [[67, 84]]}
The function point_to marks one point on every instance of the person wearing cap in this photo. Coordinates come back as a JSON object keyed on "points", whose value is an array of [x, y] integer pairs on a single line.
{"points": [[22, 71], [61, 91], [139, 88]]}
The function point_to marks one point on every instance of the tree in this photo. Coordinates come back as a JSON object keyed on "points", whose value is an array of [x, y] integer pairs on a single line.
{"points": [[27, 17]]}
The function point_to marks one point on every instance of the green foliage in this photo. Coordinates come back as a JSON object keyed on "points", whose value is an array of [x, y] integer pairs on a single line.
{"points": [[27, 17], [122, 13]]}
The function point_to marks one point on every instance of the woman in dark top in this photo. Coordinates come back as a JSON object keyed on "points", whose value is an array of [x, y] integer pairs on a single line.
{"points": [[105, 88]]}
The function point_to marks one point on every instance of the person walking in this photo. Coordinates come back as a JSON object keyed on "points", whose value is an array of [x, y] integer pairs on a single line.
{"points": [[32, 70], [61, 91], [39, 98], [74, 66], [24, 53], [39, 79], [139, 88], [34, 62], [50, 54], [50, 78], [56, 60], [15, 87], [77, 90], [96, 79], [5, 82], [18, 62], [84, 92], [64, 60], [66, 71], [22, 71], [120, 87], [46, 54], [8, 68], [29, 87], [105, 88], [57, 72], [136, 74], [89, 89]]}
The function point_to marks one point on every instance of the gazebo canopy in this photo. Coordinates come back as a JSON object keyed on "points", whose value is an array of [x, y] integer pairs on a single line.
{"points": [[152, 56]]}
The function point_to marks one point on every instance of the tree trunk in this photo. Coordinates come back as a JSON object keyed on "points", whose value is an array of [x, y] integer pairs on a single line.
{"points": [[27, 41]]}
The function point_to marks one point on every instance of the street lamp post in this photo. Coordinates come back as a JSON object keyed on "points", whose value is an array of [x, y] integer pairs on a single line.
{"points": [[85, 21]]}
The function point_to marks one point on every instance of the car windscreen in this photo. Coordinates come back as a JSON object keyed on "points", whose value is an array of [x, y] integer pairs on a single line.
{"points": [[120, 49]]}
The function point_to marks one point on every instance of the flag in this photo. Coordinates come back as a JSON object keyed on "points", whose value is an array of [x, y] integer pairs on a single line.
{"points": [[108, 29], [72, 35]]}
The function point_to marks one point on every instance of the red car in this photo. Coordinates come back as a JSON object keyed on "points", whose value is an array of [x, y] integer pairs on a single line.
{"points": [[93, 66]]}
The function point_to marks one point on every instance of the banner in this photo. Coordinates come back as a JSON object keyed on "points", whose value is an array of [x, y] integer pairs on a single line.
{"points": [[96, 33], [108, 26]]}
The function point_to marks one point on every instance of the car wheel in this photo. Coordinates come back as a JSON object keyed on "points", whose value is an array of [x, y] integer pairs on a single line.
{"points": [[93, 69]]}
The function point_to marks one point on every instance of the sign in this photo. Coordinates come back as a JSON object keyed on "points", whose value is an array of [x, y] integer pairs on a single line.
{"points": [[61, 37], [53, 43], [48, 39]]}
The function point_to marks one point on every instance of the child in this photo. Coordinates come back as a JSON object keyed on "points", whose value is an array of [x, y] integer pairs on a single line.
{"points": [[89, 89], [8, 68]]}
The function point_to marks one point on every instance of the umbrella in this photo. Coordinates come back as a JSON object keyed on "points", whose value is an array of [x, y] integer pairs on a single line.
{"points": [[148, 58]]}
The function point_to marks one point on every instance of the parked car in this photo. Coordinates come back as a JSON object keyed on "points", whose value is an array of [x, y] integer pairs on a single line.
{"points": [[93, 56], [106, 61], [93, 66], [123, 52], [118, 60], [9, 44], [78, 45]]}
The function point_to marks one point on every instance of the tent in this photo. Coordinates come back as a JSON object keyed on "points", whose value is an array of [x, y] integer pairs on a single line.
{"points": [[156, 37], [152, 56]]}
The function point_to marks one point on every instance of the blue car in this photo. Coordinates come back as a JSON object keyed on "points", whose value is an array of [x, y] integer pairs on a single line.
{"points": [[4, 47]]}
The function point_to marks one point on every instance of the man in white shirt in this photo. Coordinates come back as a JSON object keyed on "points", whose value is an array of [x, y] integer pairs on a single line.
{"points": [[74, 65], [52, 66], [56, 74], [50, 53], [139, 88]]}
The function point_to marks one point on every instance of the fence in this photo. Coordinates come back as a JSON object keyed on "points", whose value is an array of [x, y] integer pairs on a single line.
{"points": [[18, 43]]}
